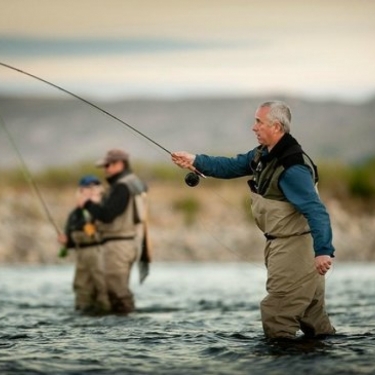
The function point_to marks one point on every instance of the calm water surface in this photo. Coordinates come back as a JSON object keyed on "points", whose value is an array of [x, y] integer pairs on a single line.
{"points": [[190, 319]]}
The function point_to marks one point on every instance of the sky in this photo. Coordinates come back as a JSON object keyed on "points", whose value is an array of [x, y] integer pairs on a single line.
{"points": [[117, 49]]}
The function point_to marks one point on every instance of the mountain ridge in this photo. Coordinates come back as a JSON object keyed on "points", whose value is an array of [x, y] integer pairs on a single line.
{"points": [[54, 131]]}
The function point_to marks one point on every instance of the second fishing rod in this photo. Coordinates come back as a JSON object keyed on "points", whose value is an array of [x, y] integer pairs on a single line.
{"points": [[191, 179]]}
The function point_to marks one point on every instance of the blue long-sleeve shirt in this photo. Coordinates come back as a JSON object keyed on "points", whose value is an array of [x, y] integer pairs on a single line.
{"points": [[296, 183]]}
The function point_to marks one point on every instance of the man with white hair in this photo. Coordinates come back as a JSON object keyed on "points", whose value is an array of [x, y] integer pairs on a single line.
{"points": [[287, 209]]}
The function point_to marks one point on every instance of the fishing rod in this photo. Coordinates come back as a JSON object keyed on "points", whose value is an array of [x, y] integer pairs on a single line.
{"points": [[29, 178], [191, 179]]}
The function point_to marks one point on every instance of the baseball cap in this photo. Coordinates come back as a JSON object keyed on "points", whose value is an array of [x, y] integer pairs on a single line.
{"points": [[89, 180], [112, 156]]}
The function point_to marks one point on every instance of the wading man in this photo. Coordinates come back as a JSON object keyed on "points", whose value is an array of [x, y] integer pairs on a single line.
{"points": [[287, 209], [117, 218], [81, 234]]}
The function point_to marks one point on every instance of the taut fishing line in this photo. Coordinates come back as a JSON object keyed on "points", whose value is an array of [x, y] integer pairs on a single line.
{"points": [[88, 103], [189, 176], [29, 178]]}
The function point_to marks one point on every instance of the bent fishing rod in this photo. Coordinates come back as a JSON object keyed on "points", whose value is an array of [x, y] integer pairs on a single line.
{"points": [[191, 179], [29, 178]]}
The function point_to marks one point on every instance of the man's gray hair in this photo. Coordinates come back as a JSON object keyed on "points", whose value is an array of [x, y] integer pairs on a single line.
{"points": [[280, 112]]}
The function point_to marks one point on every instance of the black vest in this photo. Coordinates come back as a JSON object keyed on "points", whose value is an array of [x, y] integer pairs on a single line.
{"points": [[268, 168]]}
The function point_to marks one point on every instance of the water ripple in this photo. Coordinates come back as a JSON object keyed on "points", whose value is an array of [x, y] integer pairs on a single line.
{"points": [[211, 328]]}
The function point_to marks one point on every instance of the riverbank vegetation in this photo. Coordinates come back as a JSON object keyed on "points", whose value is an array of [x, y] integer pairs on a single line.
{"points": [[209, 222], [354, 183]]}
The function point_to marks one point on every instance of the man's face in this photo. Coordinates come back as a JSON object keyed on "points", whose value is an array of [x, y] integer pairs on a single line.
{"points": [[264, 130], [113, 168]]}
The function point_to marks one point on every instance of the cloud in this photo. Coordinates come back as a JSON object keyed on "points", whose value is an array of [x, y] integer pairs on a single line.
{"points": [[29, 47], [117, 48]]}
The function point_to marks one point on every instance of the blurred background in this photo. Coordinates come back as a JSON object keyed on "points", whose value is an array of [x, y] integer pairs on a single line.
{"points": [[116, 49], [189, 74]]}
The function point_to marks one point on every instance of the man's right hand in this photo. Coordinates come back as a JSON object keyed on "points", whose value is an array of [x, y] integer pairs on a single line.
{"points": [[183, 159]]}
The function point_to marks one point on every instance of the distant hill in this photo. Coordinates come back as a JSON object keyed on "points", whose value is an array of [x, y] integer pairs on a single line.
{"points": [[51, 132]]}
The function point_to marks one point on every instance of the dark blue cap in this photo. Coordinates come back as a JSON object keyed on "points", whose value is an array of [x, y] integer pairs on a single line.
{"points": [[89, 180]]}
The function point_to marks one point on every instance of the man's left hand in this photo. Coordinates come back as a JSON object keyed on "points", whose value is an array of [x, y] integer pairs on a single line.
{"points": [[323, 263]]}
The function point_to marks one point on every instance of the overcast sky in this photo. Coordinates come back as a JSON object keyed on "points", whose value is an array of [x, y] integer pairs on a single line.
{"points": [[112, 49]]}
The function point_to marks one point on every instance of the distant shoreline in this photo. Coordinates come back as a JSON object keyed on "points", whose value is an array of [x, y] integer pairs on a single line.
{"points": [[178, 233]]}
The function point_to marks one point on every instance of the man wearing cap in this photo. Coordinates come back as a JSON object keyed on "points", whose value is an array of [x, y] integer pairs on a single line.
{"points": [[117, 217], [80, 233]]}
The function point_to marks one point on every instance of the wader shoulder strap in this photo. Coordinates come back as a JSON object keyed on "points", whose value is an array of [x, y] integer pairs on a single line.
{"points": [[256, 159]]}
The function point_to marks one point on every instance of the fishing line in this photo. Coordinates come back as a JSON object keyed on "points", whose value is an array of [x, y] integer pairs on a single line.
{"points": [[237, 254], [215, 230], [88, 103], [29, 178], [189, 177]]}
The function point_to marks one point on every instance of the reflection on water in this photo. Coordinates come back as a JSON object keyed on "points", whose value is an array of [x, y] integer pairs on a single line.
{"points": [[190, 319]]}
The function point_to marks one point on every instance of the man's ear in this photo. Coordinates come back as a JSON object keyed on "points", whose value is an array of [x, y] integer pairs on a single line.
{"points": [[278, 126]]}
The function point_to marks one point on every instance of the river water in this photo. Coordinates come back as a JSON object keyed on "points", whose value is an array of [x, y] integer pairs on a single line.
{"points": [[191, 318]]}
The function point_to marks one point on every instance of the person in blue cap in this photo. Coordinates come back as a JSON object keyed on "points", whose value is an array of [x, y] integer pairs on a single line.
{"points": [[81, 234]]}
